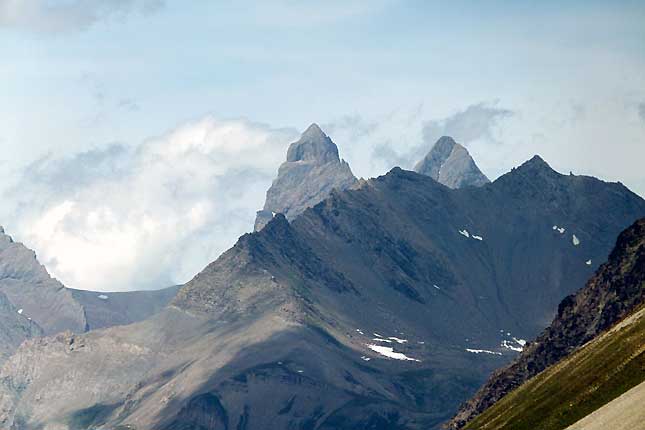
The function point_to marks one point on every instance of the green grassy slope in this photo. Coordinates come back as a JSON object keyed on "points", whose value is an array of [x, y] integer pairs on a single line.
{"points": [[561, 395]]}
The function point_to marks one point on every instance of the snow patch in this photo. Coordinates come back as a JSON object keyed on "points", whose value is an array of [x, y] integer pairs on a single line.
{"points": [[464, 232], [377, 335], [558, 229], [365, 358], [575, 240], [588, 262], [484, 351], [509, 345], [397, 340], [103, 297], [359, 331], [390, 353], [20, 311], [380, 339], [477, 237], [522, 342], [435, 285]]}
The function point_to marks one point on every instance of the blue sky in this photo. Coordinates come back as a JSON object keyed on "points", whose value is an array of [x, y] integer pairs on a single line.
{"points": [[508, 79]]}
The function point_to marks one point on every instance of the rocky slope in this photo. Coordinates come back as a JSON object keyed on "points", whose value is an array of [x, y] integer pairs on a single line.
{"points": [[29, 287], [449, 163], [617, 288], [313, 168], [14, 328], [577, 386], [381, 307], [107, 309]]}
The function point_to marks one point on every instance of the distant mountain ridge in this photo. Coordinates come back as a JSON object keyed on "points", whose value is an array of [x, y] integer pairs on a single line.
{"points": [[384, 306], [47, 307], [449, 163], [615, 291], [312, 170]]}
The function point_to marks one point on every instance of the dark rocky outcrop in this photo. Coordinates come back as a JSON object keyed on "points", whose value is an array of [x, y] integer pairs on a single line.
{"points": [[312, 170], [449, 163], [616, 289]]}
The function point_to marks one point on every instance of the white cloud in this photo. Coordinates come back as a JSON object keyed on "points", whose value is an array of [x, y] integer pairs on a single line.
{"points": [[403, 137], [120, 218], [58, 16]]}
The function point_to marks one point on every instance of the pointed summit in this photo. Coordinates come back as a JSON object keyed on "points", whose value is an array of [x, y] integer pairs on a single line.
{"points": [[537, 163], [450, 164], [314, 145], [312, 170], [535, 167]]}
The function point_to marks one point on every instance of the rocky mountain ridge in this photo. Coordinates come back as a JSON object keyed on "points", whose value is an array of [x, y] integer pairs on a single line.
{"points": [[615, 290], [50, 308], [387, 305]]}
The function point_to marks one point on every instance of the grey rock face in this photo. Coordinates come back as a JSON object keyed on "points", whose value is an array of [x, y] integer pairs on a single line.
{"points": [[107, 309], [282, 330], [450, 164], [14, 328], [312, 170], [55, 308], [28, 286]]}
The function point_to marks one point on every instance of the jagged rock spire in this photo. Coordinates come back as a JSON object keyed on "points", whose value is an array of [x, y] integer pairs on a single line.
{"points": [[312, 170], [313, 145], [449, 163]]}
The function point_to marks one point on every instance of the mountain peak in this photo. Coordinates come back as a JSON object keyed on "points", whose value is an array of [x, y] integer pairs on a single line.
{"points": [[314, 132], [312, 170], [445, 142], [537, 161], [537, 165], [313, 145], [450, 163]]}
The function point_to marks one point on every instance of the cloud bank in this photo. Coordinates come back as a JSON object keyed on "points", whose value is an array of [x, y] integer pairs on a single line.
{"points": [[45, 16], [122, 218]]}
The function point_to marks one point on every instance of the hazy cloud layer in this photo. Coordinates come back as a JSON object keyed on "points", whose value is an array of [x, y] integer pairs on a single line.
{"points": [[120, 217], [404, 137], [47, 16], [474, 123], [641, 111]]}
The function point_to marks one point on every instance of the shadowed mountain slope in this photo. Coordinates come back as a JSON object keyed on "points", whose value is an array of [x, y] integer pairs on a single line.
{"points": [[615, 291], [382, 307]]}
